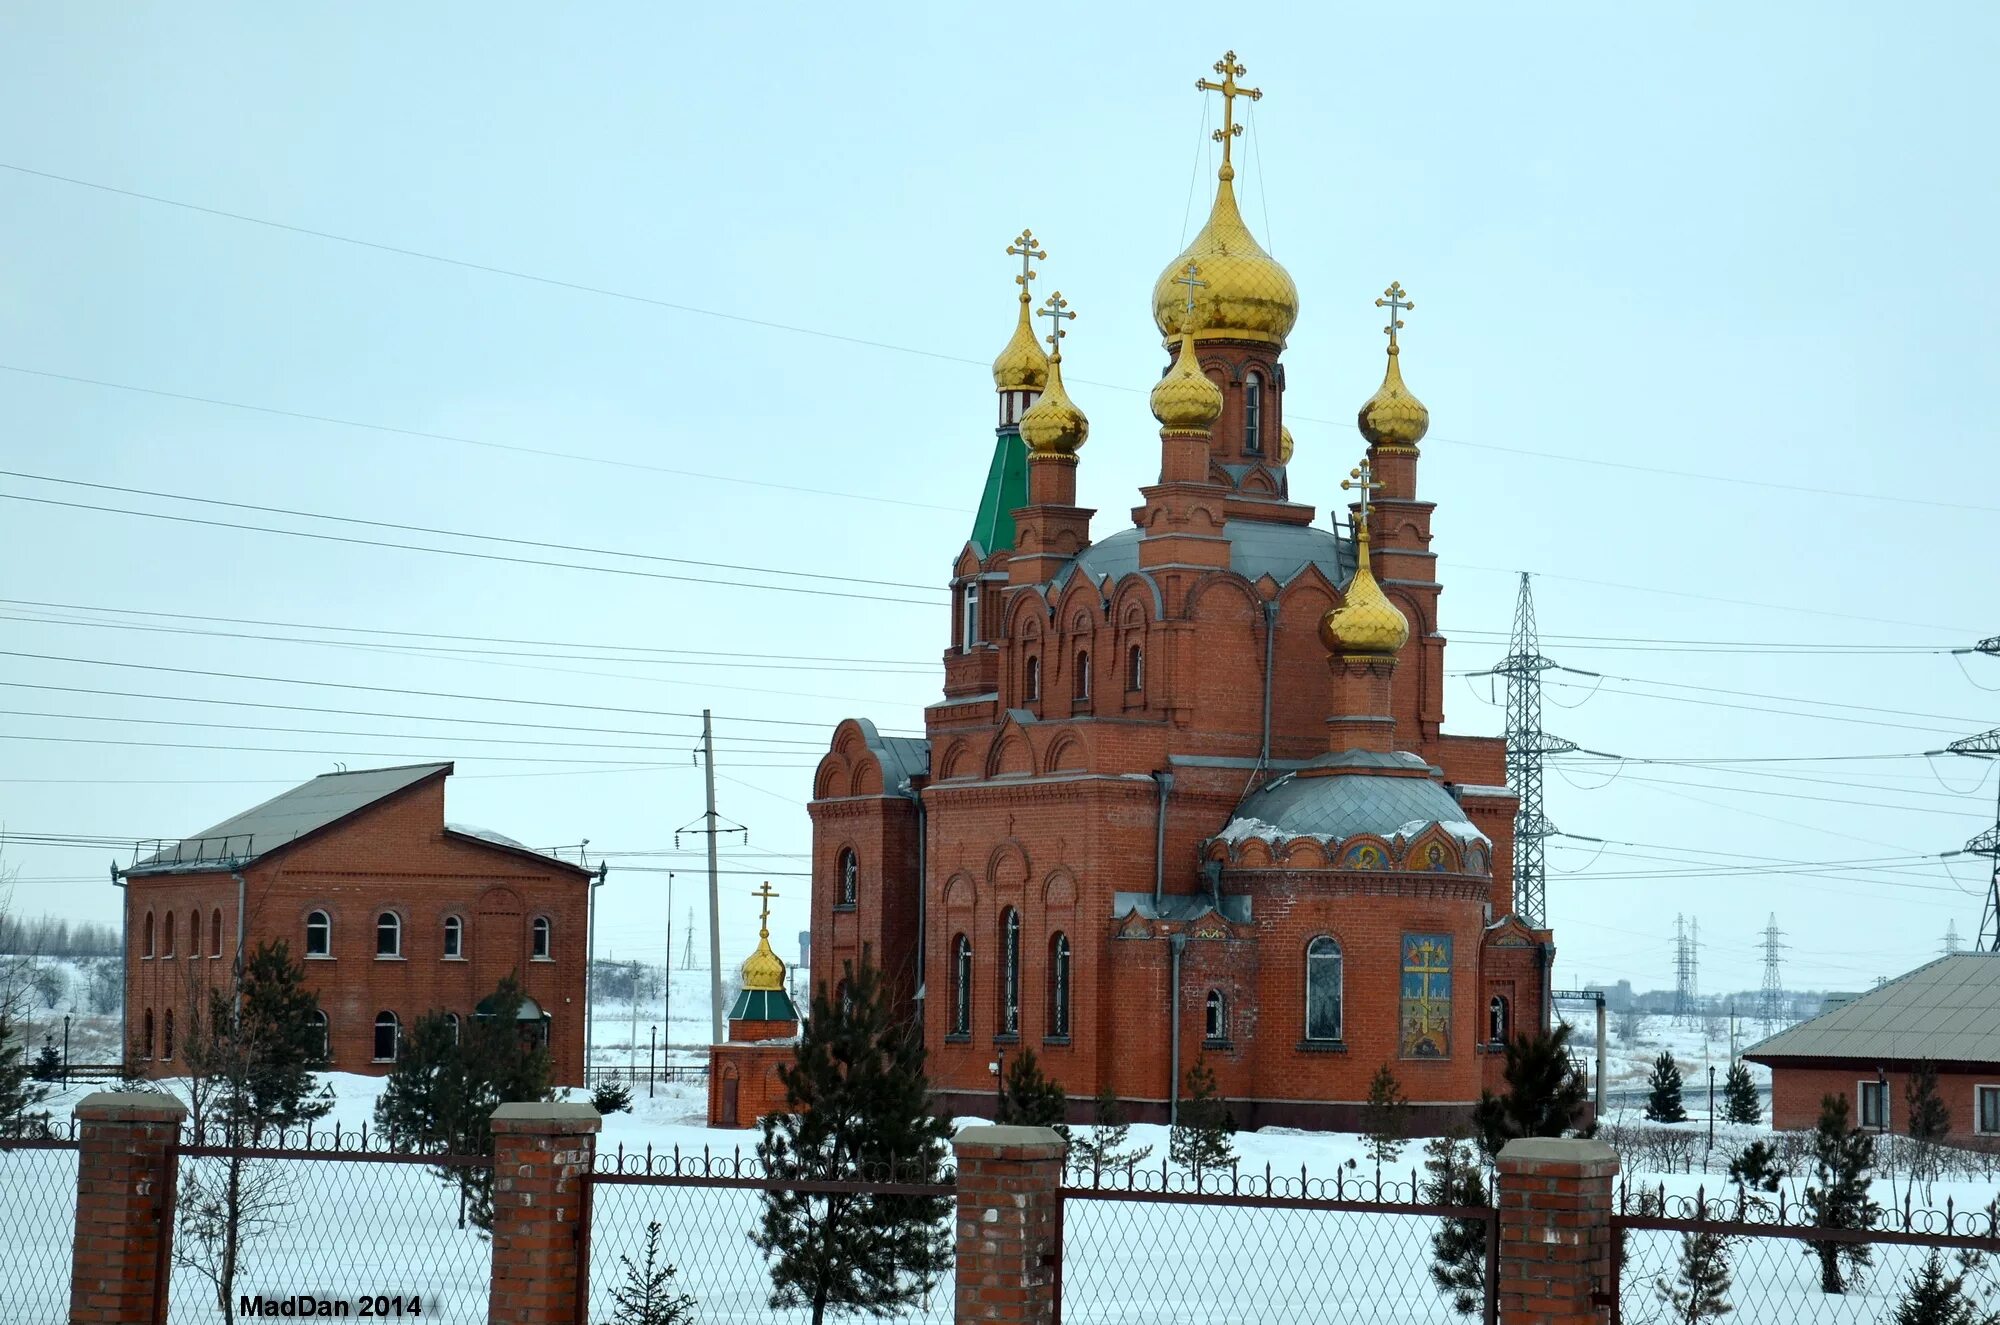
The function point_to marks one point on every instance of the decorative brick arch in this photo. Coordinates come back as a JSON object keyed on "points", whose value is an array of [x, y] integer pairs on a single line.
{"points": [[1012, 756], [1007, 868], [1059, 891], [957, 761], [832, 776], [1069, 755], [866, 780], [961, 894]]}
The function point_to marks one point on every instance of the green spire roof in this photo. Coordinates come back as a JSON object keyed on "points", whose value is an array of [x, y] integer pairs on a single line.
{"points": [[1006, 491]]}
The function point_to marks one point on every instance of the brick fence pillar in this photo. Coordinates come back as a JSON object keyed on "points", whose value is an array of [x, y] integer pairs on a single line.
{"points": [[1008, 1194], [1555, 1232], [540, 1154], [124, 1223]]}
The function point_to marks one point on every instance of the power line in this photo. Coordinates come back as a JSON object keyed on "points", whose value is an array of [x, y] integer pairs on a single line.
{"points": [[1527, 744]]}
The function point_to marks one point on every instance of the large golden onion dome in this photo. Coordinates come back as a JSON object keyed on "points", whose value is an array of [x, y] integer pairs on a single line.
{"points": [[1247, 295], [764, 969], [1185, 400], [1055, 429], [1392, 416], [1022, 366], [1366, 623], [1284, 445]]}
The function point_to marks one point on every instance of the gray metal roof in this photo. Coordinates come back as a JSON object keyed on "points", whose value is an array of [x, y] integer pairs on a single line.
{"points": [[285, 818], [1334, 807], [1256, 547], [1945, 1011], [903, 758]]}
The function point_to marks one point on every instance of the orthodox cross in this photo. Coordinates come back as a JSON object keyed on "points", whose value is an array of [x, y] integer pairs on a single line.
{"points": [[1024, 249], [1053, 308], [1229, 89], [1393, 300], [765, 893], [1362, 479], [1188, 278]]}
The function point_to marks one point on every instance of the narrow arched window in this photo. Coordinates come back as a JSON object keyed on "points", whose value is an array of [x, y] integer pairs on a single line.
{"points": [[1059, 987], [388, 1037], [167, 1035], [1323, 979], [850, 878], [1135, 668], [149, 941], [1082, 674], [1010, 972], [1215, 1017], [325, 1042], [146, 1045], [319, 935], [1496, 1020], [1253, 413], [451, 1023], [215, 933], [167, 937], [454, 937], [194, 933], [1032, 690], [961, 986], [843, 997], [969, 624], [388, 935], [540, 938]]}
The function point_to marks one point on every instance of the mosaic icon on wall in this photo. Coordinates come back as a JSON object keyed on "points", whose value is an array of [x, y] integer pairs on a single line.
{"points": [[1426, 1019]]}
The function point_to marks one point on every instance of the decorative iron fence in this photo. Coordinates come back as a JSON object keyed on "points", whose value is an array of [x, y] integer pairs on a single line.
{"points": [[1152, 1244], [37, 1226], [638, 1077]]}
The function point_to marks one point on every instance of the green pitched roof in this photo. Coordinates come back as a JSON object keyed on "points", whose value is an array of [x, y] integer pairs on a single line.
{"points": [[763, 1005], [1006, 492]]}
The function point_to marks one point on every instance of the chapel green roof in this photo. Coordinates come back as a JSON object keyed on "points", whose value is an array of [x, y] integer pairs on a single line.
{"points": [[1006, 491]]}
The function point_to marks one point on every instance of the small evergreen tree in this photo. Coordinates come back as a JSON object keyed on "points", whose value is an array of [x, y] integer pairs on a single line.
{"points": [[1755, 1169], [1740, 1103], [1838, 1195], [857, 1107], [1934, 1297], [1105, 1148], [1385, 1118], [1699, 1290], [647, 1296], [1200, 1137], [1930, 1123], [1664, 1104], [18, 1093], [611, 1096], [1029, 1099], [1458, 1248], [1545, 1092], [48, 1063]]}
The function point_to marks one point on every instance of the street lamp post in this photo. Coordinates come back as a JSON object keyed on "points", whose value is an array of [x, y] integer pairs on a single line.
{"points": [[652, 1055], [1711, 1106], [65, 1073]]}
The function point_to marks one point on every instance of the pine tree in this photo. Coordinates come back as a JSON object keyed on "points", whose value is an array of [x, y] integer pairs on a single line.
{"points": [[1930, 1123], [1105, 1148], [1664, 1105], [611, 1096], [1756, 1169], [1029, 1099], [1699, 1290], [1200, 1137], [647, 1296], [1739, 1096], [48, 1063], [1934, 1297], [1838, 1195], [1458, 1248], [1545, 1092], [18, 1093], [857, 1108], [1385, 1118]]}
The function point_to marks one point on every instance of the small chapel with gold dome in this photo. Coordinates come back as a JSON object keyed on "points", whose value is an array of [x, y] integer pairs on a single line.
{"points": [[1187, 794]]}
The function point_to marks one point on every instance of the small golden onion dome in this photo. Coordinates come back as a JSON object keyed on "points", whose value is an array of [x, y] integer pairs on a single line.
{"points": [[1392, 416], [1246, 295], [1367, 622], [1285, 445], [1022, 366], [1054, 429], [1185, 400], [763, 969]]}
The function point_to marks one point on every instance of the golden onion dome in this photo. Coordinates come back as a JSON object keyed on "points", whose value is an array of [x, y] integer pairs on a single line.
{"points": [[1392, 416], [1185, 400], [1246, 295], [763, 969], [1054, 429], [1366, 622], [1022, 366], [1284, 445]]}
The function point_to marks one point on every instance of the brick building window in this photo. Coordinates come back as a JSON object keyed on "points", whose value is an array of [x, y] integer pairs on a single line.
{"points": [[167, 937], [1496, 1020], [850, 878], [1215, 1018], [149, 938], [146, 1043], [388, 935], [167, 1036], [451, 1021], [388, 1035], [325, 1029], [961, 985], [1010, 972], [215, 934], [1033, 689], [194, 934], [1323, 991], [1874, 1104], [454, 937], [319, 934], [1135, 668], [1986, 1109], [1059, 987], [539, 936], [969, 624], [1253, 413], [1082, 674]]}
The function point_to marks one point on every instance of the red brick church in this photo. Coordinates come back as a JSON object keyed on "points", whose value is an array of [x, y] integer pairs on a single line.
{"points": [[1187, 792]]}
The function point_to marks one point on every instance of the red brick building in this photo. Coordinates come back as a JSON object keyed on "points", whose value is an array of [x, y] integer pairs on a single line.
{"points": [[743, 1082], [393, 911], [1144, 823]]}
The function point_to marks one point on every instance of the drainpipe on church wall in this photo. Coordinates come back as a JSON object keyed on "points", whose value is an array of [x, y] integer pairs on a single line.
{"points": [[125, 960], [1175, 945], [1270, 653], [1166, 781], [923, 885], [241, 889]]}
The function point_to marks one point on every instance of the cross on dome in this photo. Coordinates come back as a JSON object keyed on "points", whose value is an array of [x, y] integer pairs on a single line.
{"points": [[1229, 89], [764, 921], [1362, 479], [1188, 277], [1025, 249], [1393, 300], [1053, 308]]}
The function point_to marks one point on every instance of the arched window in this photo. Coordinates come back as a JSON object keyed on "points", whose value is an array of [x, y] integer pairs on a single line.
{"points": [[850, 878], [167, 1035], [1253, 413], [1215, 1017], [1323, 977], [146, 1044], [167, 937], [194, 933], [388, 1037], [843, 996], [1135, 668], [1059, 986], [149, 941], [325, 1029], [961, 985], [539, 937], [319, 934], [969, 623], [388, 935], [451, 1021], [215, 933], [454, 937], [1010, 972], [1032, 690], [1082, 674], [1496, 1020]]}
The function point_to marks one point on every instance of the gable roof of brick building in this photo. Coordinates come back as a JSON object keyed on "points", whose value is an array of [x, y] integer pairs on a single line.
{"points": [[1947, 1011]]}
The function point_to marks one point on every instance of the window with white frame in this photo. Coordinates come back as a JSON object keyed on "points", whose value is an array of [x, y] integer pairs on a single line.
{"points": [[454, 937], [388, 1034], [1215, 1017], [388, 935], [540, 940], [319, 934], [969, 627], [1323, 991]]}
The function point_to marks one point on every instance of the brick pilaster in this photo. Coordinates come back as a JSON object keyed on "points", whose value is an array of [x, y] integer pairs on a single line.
{"points": [[540, 1154], [1007, 1195], [1555, 1232], [124, 1220]]}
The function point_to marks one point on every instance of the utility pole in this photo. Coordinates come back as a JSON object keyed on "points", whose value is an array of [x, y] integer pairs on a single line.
{"points": [[1687, 939], [1986, 745], [687, 953], [1527, 743], [1953, 944], [714, 887], [1771, 1005]]}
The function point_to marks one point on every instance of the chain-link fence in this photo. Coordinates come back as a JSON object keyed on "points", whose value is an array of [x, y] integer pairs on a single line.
{"points": [[37, 1228]]}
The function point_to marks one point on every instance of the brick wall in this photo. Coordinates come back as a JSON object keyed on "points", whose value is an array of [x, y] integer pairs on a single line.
{"points": [[1796, 1093], [753, 1071]]}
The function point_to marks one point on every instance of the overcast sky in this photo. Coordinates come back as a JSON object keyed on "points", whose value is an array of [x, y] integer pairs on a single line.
{"points": [[1705, 321]]}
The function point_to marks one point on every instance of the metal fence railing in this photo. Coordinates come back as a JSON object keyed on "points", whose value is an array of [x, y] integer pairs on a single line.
{"points": [[1153, 1244], [37, 1228]]}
